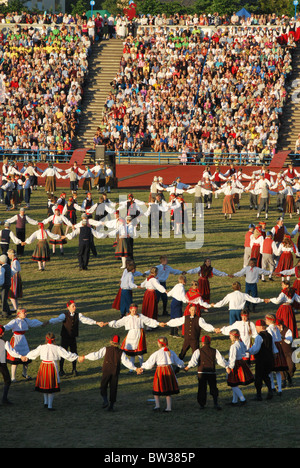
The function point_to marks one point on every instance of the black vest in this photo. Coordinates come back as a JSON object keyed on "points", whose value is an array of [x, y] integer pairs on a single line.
{"points": [[70, 326], [265, 354], [207, 360], [112, 360], [5, 239], [85, 235], [192, 329], [7, 276]]}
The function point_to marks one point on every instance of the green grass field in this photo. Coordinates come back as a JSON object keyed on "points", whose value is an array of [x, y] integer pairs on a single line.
{"points": [[79, 421]]}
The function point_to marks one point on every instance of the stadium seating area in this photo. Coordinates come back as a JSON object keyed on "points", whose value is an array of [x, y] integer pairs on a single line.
{"points": [[211, 95]]}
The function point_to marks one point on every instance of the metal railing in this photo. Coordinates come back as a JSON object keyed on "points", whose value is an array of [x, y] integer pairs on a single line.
{"points": [[164, 158], [40, 155]]}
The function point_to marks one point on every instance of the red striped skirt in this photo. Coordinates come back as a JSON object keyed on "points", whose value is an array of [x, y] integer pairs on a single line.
{"points": [[57, 229], [117, 300], [240, 375], [285, 262], [41, 252], [16, 289], [287, 315], [255, 253], [46, 380], [150, 304], [280, 360], [141, 349], [121, 247], [165, 382]]}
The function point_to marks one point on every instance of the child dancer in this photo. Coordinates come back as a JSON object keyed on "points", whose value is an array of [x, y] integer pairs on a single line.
{"points": [[57, 221], [280, 361], [286, 343], [165, 382], [205, 272], [237, 369], [47, 380], [205, 359], [150, 302], [285, 311], [112, 357], [19, 326], [135, 342], [41, 253]]}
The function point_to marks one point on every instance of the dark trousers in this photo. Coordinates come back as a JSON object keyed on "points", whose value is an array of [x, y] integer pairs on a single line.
{"points": [[4, 301], [203, 381], [27, 195], [68, 342], [111, 381], [20, 234], [6, 377], [262, 372], [187, 344], [163, 297], [84, 255]]}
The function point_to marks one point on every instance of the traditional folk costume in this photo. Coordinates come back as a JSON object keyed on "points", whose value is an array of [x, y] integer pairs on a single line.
{"points": [[47, 380], [236, 301], [70, 331], [57, 221], [69, 210], [51, 173], [285, 311], [264, 349], [6, 235], [5, 348], [119, 231], [279, 231], [247, 332], [280, 363], [86, 236], [205, 359], [41, 251], [21, 220], [286, 343], [296, 285], [228, 202], [19, 328], [112, 357], [296, 231], [163, 273], [150, 302], [256, 244], [285, 251], [204, 273], [192, 331], [165, 381], [16, 290], [123, 299], [240, 373], [268, 253], [135, 342], [247, 246]]}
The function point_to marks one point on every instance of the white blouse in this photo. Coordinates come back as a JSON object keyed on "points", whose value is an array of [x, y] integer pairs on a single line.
{"points": [[41, 235], [163, 358], [133, 324], [153, 284]]}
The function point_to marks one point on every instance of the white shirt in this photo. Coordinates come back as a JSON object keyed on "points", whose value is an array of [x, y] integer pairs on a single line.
{"points": [[237, 300], [51, 352], [6, 347], [236, 352], [178, 293], [153, 284], [163, 272], [27, 218], [177, 322], [82, 319], [41, 235], [247, 330], [215, 272], [101, 354], [252, 273], [127, 280], [163, 358], [133, 324]]}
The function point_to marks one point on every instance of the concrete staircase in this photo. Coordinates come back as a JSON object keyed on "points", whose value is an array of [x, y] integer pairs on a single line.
{"points": [[290, 125], [104, 64]]}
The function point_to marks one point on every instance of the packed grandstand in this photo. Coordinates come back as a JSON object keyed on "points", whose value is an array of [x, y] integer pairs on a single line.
{"points": [[200, 86]]}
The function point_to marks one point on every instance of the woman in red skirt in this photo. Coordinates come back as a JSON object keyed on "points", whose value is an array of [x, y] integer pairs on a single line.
{"points": [[47, 380], [280, 360], [285, 311], [286, 250], [256, 244], [238, 370], [150, 301], [205, 272], [165, 382], [296, 285]]}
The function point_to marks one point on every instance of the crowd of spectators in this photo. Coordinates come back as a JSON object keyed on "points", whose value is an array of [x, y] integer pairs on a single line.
{"points": [[210, 96], [42, 73]]}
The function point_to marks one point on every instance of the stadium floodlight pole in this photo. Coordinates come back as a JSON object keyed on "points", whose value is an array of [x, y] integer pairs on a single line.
{"points": [[295, 2]]}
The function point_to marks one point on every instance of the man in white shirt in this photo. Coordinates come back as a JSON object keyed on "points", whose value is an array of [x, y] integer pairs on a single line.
{"points": [[252, 274]]}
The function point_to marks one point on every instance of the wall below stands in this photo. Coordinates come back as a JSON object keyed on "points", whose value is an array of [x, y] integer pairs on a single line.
{"points": [[141, 175]]}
